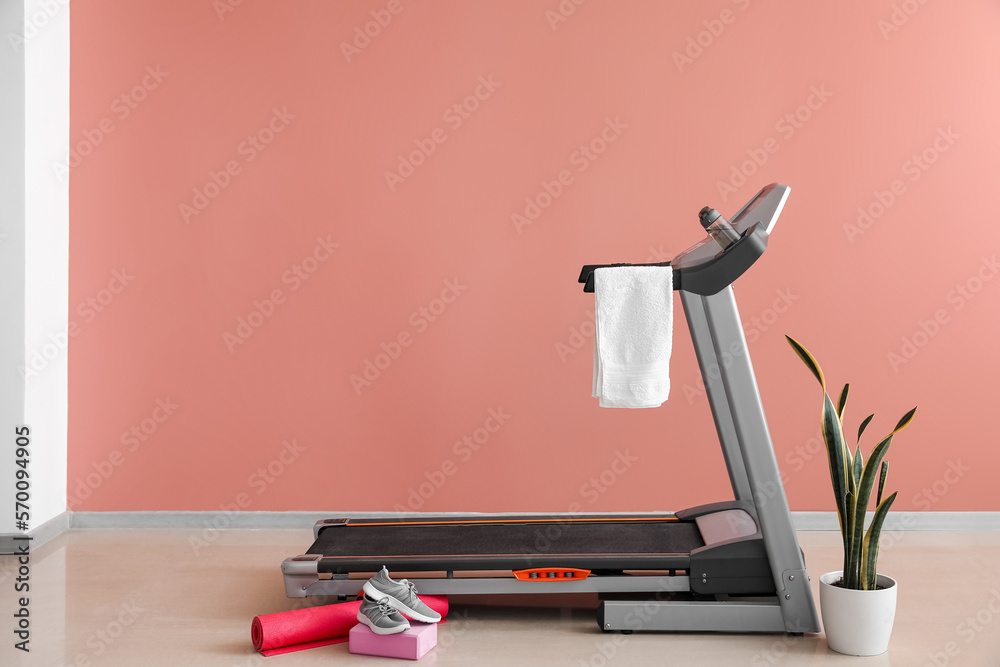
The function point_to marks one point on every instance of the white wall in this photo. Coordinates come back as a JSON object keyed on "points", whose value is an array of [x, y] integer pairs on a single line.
{"points": [[11, 249], [47, 248], [34, 268]]}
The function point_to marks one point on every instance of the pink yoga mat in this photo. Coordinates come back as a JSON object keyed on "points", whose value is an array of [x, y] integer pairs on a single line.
{"points": [[288, 631]]}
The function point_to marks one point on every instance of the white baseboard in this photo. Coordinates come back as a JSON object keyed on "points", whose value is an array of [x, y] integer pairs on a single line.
{"points": [[962, 521], [199, 520], [49, 530], [906, 521], [305, 520]]}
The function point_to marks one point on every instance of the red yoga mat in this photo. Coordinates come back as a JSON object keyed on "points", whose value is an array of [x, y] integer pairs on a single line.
{"points": [[297, 630]]}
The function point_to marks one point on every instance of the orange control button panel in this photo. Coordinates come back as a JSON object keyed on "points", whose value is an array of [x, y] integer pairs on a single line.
{"points": [[551, 574]]}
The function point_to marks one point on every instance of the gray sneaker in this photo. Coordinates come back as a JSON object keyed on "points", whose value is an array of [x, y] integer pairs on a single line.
{"points": [[381, 617], [400, 594]]}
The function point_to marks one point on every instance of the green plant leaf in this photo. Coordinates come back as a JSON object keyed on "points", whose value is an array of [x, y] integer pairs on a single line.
{"points": [[808, 360], [864, 425], [850, 570], [852, 491], [839, 457], [861, 503], [869, 563], [858, 467], [842, 401], [841, 463], [881, 482], [905, 420], [871, 468]]}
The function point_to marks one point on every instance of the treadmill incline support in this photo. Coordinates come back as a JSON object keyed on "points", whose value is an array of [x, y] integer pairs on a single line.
{"points": [[744, 420], [711, 364]]}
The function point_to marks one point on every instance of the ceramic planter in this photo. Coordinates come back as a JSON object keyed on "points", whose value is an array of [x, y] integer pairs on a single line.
{"points": [[857, 622]]}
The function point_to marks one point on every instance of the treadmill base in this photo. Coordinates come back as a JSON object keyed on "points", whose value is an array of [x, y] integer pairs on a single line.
{"points": [[687, 616]]}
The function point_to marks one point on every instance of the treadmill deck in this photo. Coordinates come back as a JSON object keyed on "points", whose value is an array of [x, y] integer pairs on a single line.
{"points": [[474, 543]]}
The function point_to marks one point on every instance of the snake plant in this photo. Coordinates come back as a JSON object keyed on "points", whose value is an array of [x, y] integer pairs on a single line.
{"points": [[853, 479]]}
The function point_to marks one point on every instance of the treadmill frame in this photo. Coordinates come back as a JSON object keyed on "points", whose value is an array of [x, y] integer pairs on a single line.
{"points": [[731, 387]]}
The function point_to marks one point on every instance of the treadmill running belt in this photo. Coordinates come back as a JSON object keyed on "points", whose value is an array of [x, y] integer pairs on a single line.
{"points": [[465, 546]]}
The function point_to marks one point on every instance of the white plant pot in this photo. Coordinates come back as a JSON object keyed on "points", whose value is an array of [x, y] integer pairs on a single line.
{"points": [[857, 622]]}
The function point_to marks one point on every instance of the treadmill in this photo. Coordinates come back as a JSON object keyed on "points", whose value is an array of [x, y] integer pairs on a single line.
{"points": [[733, 566]]}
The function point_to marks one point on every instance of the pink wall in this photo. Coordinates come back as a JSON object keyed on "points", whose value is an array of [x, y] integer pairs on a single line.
{"points": [[156, 348]]}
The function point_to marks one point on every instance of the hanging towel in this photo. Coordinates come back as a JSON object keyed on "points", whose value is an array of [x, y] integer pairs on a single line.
{"points": [[634, 313]]}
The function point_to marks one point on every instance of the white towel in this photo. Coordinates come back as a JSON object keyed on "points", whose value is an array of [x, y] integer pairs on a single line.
{"points": [[634, 313]]}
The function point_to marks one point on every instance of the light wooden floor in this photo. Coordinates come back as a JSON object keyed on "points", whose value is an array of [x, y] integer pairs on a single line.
{"points": [[146, 598]]}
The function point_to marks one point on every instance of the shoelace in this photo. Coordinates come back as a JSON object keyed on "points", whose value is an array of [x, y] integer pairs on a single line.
{"points": [[385, 607], [413, 589]]}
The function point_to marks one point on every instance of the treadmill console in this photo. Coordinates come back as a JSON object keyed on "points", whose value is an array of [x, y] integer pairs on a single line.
{"points": [[732, 246]]}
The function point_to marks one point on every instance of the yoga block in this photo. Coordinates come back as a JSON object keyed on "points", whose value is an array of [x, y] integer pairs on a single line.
{"points": [[410, 644]]}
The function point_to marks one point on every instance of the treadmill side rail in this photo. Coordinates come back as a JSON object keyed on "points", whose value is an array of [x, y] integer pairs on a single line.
{"points": [[643, 585]]}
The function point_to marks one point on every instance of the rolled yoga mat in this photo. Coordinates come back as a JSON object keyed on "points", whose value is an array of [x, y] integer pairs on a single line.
{"points": [[297, 630]]}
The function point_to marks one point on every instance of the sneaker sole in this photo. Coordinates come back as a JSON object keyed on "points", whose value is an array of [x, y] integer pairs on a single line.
{"points": [[381, 631], [417, 616]]}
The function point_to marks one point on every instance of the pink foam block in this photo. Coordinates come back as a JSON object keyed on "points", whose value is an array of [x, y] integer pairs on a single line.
{"points": [[410, 644]]}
